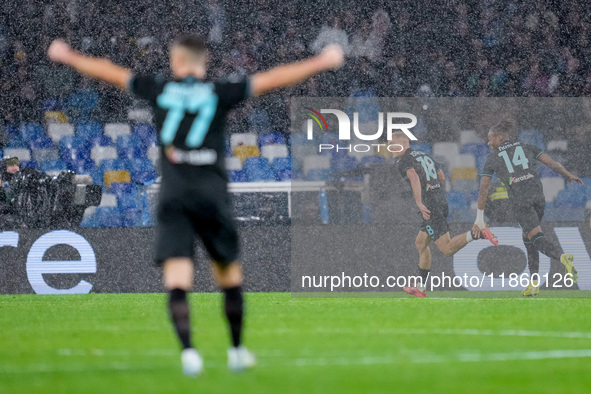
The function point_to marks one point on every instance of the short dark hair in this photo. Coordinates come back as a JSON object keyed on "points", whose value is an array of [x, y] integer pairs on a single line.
{"points": [[196, 45], [507, 127]]}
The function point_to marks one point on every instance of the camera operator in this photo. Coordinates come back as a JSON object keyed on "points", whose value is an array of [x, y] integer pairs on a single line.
{"points": [[33, 199]]}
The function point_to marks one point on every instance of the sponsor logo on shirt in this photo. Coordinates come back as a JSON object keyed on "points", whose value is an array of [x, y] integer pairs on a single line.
{"points": [[513, 180]]}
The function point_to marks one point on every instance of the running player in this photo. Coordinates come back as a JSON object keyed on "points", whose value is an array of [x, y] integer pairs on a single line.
{"points": [[427, 182], [514, 164], [194, 200]]}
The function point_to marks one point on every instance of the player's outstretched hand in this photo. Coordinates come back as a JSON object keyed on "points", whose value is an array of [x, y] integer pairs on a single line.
{"points": [[333, 56], [424, 211], [575, 178], [476, 230], [59, 51]]}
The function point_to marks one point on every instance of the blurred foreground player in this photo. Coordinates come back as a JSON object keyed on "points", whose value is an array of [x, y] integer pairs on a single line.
{"points": [[513, 162], [427, 182], [194, 200]]}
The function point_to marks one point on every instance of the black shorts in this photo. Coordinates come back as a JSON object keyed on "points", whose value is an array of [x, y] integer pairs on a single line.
{"points": [[437, 224], [181, 220], [529, 213]]}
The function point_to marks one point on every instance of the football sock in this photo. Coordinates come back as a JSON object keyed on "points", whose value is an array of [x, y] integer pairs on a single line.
{"points": [[469, 237], [533, 256], [179, 314], [546, 247], [424, 274], [234, 308]]}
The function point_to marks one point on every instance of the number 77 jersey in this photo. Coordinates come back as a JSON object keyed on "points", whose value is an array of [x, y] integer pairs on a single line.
{"points": [[190, 116], [515, 164]]}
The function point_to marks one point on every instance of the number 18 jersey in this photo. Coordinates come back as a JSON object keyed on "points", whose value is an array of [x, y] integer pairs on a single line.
{"points": [[515, 164], [432, 191], [190, 115]]}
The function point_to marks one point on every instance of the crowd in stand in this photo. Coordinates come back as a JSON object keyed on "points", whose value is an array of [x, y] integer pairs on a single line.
{"points": [[405, 48]]}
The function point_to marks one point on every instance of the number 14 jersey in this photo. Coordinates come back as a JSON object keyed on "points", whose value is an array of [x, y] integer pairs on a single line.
{"points": [[515, 164]]}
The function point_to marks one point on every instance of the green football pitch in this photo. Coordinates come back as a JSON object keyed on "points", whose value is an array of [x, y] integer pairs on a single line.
{"points": [[123, 343]]}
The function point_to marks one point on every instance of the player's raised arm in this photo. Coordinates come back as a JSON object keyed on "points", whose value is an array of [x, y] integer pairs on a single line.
{"points": [[559, 168], [288, 74], [98, 68]]}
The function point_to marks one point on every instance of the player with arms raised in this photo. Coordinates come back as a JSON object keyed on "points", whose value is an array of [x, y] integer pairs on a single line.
{"points": [[427, 182], [514, 164], [194, 200]]}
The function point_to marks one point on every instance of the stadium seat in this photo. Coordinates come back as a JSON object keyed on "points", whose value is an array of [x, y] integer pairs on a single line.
{"points": [[25, 163], [449, 150], [237, 176], [273, 151], [127, 200], [55, 117], [258, 169], [457, 200], [420, 146], [112, 164], [40, 155], [99, 153], [462, 215], [233, 164], [81, 104], [315, 162], [32, 132], [153, 154], [359, 156], [89, 130], [533, 137], [56, 131], [131, 217], [129, 147], [329, 137], [561, 145], [142, 171], [22, 154], [570, 198], [296, 139], [271, 139], [476, 149], [469, 137], [564, 214], [115, 176], [370, 160], [282, 167], [122, 188], [245, 151], [52, 165], [465, 185], [463, 160], [115, 130], [246, 139], [459, 173], [107, 216], [43, 143], [139, 115], [147, 135], [342, 163], [301, 151], [552, 186], [318, 174]]}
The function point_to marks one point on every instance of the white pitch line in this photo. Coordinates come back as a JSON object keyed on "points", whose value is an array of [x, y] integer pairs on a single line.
{"points": [[321, 361], [423, 331]]}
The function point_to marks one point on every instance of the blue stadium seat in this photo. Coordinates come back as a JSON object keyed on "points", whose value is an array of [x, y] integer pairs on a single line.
{"points": [[81, 104], [422, 146], [564, 214], [88, 130], [339, 163], [570, 198], [130, 147], [33, 132], [41, 143], [122, 188], [475, 148], [533, 137], [457, 200], [329, 137], [318, 174], [258, 169], [112, 164], [237, 176], [127, 201], [282, 166], [82, 166], [31, 163], [131, 218], [142, 171], [271, 138], [368, 160], [53, 165], [52, 104], [462, 216], [147, 135], [107, 217], [465, 185], [299, 139], [15, 138]]}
